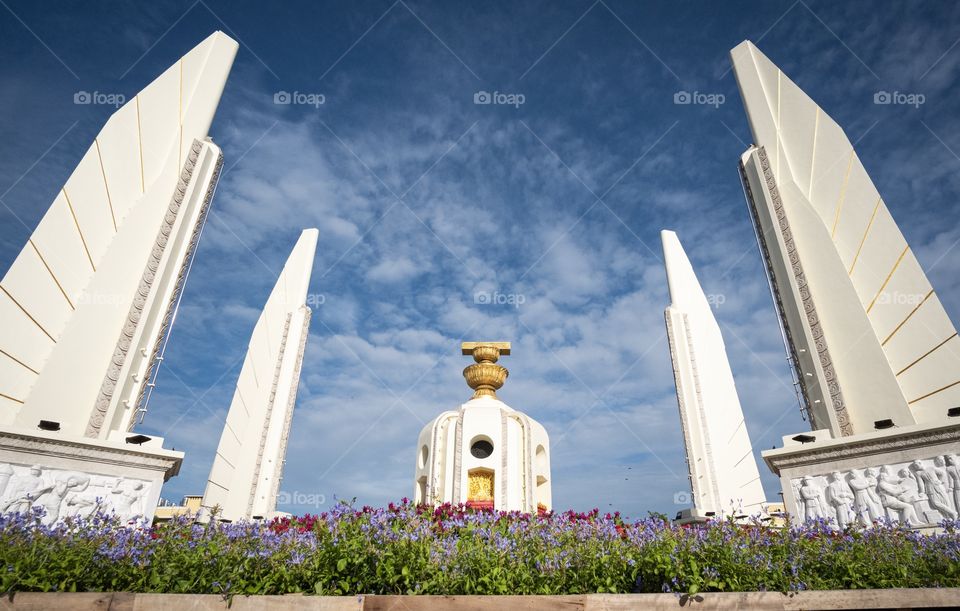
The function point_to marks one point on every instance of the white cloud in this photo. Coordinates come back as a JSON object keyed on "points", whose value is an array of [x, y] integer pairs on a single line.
{"points": [[393, 271]]}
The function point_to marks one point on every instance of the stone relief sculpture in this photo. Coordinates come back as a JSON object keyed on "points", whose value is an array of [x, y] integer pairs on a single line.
{"points": [[930, 484], [68, 493], [840, 497], [953, 478], [84, 501], [894, 498], [866, 503], [6, 472], [812, 499], [922, 492], [24, 490], [130, 499]]}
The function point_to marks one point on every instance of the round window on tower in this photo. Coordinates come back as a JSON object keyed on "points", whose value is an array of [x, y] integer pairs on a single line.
{"points": [[481, 447]]}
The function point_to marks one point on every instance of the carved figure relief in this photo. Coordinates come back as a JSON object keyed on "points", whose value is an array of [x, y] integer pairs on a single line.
{"points": [[952, 471], [895, 499], [811, 495], [866, 503], [840, 497], [922, 492], [930, 484], [63, 493]]}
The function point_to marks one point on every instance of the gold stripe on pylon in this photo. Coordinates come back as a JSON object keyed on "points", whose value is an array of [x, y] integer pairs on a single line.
{"points": [[890, 275]]}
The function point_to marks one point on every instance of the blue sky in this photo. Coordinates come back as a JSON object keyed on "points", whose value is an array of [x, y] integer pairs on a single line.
{"points": [[425, 200]]}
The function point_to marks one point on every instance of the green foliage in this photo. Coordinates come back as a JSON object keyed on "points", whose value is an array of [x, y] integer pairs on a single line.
{"points": [[405, 549]]}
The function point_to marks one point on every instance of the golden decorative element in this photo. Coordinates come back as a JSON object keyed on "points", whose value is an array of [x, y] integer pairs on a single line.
{"points": [[480, 485], [485, 377]]}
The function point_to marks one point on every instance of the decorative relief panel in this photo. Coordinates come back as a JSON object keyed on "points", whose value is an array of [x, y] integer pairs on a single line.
{"points": [[65, 493], [915, 493]]}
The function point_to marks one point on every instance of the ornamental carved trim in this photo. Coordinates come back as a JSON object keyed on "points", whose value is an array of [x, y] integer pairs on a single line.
{"points": [[528, 480], [867, 447], [809, 307], [458, 458], [269, 412], [291, 401], [789, 344], [178, 286], [112, 376], [46, 448], [681, 405], [529, 465], [707, 445], [504, 464]]}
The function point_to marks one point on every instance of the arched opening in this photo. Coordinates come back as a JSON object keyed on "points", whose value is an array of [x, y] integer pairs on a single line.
{"points": [[542, 494], [541, 458], [421, 490]]}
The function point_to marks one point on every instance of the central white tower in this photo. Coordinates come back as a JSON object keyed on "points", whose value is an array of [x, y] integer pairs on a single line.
{"points": [[485, 454]]}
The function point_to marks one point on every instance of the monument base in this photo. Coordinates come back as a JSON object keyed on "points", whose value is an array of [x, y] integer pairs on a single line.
{"points": [[78, 476], [907, 474]]}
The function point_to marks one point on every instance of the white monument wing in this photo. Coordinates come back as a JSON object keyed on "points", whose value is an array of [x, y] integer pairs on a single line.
{"points": [[884, 346], [723, 469], [67, 299], [245, 477]]}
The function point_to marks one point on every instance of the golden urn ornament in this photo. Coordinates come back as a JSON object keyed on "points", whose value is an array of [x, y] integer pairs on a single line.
{"points": [[485, 377]]}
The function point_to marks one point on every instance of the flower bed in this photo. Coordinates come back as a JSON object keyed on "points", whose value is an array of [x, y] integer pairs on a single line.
{"points": [[405, 549]]}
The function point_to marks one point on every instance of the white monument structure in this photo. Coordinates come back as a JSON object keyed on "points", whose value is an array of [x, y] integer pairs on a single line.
{"points": [[87, 304], [485, 454], [245, 478], [723, 471], [876, 359]]}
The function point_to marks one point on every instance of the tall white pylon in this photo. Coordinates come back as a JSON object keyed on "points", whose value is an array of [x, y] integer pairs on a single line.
{"points": [[245, 478], [723, 470]]}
